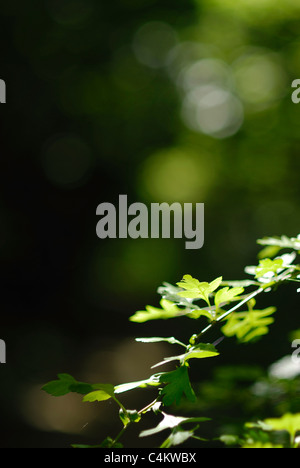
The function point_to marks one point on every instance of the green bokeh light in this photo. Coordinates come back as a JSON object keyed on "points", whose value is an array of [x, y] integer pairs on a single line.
{"points": [[177, 174]]}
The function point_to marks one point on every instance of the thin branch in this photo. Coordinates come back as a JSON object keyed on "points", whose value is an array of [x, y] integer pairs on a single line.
{"points": [[144, 410], [230, 311], [119, 435]]}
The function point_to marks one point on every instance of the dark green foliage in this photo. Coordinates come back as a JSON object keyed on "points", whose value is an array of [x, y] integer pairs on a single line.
{"points": [[178, 384]]}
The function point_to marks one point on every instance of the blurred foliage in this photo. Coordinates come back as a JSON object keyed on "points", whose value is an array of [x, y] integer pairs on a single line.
{"points": [[161, 100]]}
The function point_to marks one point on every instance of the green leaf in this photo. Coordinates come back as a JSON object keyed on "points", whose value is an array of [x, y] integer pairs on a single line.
{"points": [[170, 422], [196, 290], [66, 384], [259, 425], [282, 242], [225, 295], [168, 310], [197, 313], [200, 351], [268, 266], [104, 392], [240, 283], [177, 437], [229, 439], [247, 326], [190, 285], [157, 339], [110, 443], [269, 252], [193, 311], [130, 416], [152, 381], [171, 293], [288, 422], [59, 387], [81, 388], [178, 384]]}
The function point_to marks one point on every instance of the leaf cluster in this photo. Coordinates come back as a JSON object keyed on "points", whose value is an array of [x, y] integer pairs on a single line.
{"points": [[269, 433], [230, 303]]}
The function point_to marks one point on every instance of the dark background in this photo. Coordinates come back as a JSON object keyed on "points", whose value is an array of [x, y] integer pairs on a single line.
{"points": [[102, 100]]}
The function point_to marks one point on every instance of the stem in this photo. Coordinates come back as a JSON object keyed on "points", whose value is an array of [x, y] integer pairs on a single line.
{"points": [[121, 406], [126, 413], [143, 410], [237, 306], [120, 434], [129, 423], [125, 426], [285, 276]]}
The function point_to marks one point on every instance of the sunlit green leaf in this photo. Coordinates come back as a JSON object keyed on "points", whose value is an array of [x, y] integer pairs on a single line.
{"points": [[196, 290], [104, 392], [288, 422], [177, 437], [168, 310], [192, 310], [225, 295], [268, 266], [240, 283], [156, 339], [201, 351], [282, 242], [195, 314], [171, 293], [170, 422], [152, 381], [269, 252], [249, 325]]}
